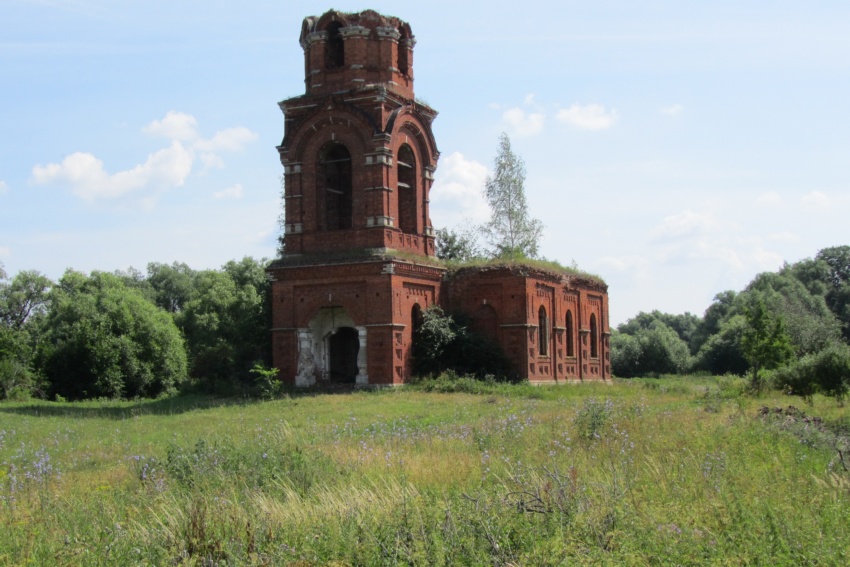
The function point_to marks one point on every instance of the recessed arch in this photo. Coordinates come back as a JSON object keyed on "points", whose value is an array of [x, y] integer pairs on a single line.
{"points": [[407, 189], [335, 47], [404, 51], [570, 334], [543, 329], [334, 187], [594, 337]]}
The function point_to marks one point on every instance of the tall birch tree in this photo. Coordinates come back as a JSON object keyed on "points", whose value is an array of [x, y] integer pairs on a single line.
{"points": [[511, 231]]}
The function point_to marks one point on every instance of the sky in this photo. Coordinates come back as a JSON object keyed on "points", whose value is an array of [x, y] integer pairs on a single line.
{"points": [[674, 148]]}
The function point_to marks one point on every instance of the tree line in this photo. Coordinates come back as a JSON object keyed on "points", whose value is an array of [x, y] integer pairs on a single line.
{"points": [[130, 334], [789, 328]]}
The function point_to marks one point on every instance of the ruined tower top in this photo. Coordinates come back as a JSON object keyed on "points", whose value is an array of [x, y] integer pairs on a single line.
{"points": [[347, 51]]}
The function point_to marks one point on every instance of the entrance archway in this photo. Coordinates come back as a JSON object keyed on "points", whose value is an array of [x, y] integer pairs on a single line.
{"points": [[343, 347], [332, 347]]}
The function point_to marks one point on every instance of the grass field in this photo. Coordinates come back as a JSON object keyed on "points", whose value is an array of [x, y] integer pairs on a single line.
{"points": [[644, 472]]}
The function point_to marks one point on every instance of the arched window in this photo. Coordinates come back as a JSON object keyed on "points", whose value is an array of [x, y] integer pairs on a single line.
{"points": [[543, 326], [334, 187], [416, 319], [594, 337], [335, 48], [406, 163], [403, 53], [570, 339]]}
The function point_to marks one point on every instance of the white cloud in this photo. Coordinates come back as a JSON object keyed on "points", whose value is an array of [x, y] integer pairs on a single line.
{"points": [[5, 251], [165, 169], [672, 110], [211, 161], [588, 117], [684, 224], [457, 193], [816, 200], [175, 126], [229, 140], [88, 179], [3, 188], [770, 198], [184, 127], [234, 192], [521, 123]]}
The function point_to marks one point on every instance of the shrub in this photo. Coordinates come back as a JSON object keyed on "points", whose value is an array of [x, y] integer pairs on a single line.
{"points": [[827, 371]]}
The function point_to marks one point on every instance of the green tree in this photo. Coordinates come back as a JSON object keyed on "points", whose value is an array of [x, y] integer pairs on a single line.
{"points": [[625, 355], [510, 231], [457, 245], [173, 286], [23, 301], [226, 324], [24, 297], [721, 353], [764, 342], [719, 310], [838, 292], [103, 339], [808, 320]]}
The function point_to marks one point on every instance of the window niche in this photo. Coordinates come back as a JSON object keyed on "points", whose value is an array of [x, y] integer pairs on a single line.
{"points": [[594, 337], [407, 210], [543, 326], [570, 337], [335, 48], [334, 190]]}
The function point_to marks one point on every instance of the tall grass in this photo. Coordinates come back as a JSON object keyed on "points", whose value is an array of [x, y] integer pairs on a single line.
{"points": [[646, 472]]}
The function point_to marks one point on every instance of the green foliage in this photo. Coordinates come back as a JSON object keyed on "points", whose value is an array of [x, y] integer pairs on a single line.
{"points": [[592, 418], [827, 372], [722, 353], [102, 339], [511, 231], [173, 286], [457, 245], [652, 350], [23, 301], [685, 325], [226, 322], [267, 381], [24, 297], [764, 342], [443, 342], [838, 283], [810, 324], [432, 337]]}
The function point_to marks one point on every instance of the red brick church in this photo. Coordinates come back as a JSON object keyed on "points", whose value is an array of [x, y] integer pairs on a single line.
{"points": [[359, 263]]}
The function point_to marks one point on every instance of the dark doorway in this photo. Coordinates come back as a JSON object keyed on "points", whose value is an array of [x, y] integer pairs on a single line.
{"points": [[344, 346]]}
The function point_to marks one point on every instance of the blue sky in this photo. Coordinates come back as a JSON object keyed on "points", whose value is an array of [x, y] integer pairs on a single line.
{"points": [[674, 148]]}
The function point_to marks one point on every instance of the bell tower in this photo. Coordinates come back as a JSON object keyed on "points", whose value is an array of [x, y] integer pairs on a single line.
{"points": [[358, 152], [359, 157]]}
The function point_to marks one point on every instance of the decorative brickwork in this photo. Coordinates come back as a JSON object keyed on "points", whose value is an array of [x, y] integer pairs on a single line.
{"points": [[359, 157]]}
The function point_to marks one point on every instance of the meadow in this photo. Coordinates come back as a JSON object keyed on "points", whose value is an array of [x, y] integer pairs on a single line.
{"points": [[452, 472]]}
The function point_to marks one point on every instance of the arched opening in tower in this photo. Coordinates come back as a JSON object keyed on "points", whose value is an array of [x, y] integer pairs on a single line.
{"points": [[334, 191], [335, 49], [406, 162]]}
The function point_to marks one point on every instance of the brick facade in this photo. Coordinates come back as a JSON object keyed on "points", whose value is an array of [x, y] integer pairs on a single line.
{"points": [[359, 158]]}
